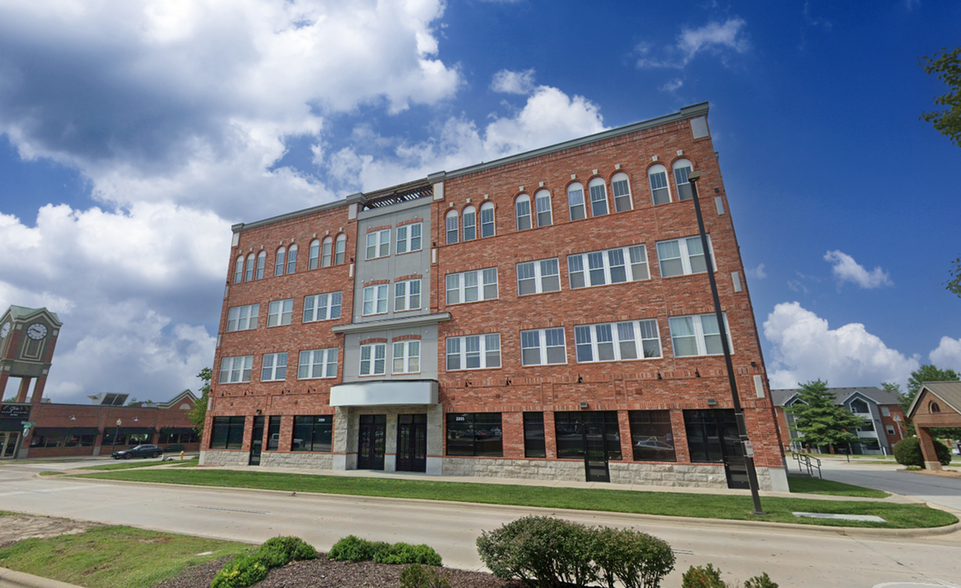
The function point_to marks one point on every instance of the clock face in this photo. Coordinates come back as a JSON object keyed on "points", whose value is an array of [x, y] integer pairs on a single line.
{"points": [[4, 330], [36, 331]]}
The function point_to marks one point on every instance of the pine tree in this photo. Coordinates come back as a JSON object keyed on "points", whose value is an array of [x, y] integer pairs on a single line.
{"points": [[819, 421]]}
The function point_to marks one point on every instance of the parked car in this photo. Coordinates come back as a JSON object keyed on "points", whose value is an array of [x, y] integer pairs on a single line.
{"points": [[138, 451]]}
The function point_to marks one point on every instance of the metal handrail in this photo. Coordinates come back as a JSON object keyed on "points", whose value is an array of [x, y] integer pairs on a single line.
{"points": [[806, 462]]}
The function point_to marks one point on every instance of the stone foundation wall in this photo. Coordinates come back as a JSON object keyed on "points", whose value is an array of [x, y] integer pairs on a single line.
{"points": [[224, 458], [298, 459]]}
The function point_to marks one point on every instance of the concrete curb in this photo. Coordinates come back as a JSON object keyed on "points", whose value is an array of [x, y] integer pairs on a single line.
{"points": [[12, 579]]}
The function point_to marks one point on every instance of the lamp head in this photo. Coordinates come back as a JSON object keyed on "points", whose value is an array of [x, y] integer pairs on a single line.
{"points": [[694, 176]]}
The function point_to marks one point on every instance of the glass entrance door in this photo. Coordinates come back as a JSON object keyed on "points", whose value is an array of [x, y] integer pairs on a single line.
{"points": [[8, 444], [257, 441], [595, 453], [372, 435], [412, 443], [712, 437]]}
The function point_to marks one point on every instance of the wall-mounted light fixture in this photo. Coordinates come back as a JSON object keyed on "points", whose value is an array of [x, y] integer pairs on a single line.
{"points": [[583, 404], [712, 402]]}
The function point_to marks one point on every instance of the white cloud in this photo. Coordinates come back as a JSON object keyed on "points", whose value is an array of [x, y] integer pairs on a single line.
{"points": [[805, 349], [947, 355], [717, 38], [847, 270], [757, 272], [513, 82], [672, 86]]}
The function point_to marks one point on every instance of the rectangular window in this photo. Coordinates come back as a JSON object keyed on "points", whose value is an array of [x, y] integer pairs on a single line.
{"points": [[614, 266], [378, 244], [470, 224], [236, 369], [543, 347], [651, 435], [487, 220], [317, 363], [409, 238], [279, 312], [322, 307], [406, 357], [373, 359], [598, 199], [659, 190], [242, 318], [375, 299], [313, 433], [574, 430], [472, 286], [622, 194], [474, 352], [698, 335], [617, 341], [534, 445], [682, 256], [407, 295], [885, 411], [274, 367], [475, 434], [452, 221], [536, 277], [273, 433], [227, 433], [575, 202], [292, 259]]}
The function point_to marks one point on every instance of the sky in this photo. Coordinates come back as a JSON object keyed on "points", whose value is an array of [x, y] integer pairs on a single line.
{"points": [[133, 133]]}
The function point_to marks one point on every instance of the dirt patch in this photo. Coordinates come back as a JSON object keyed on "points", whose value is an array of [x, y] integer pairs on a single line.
{"points": [[15, 528]]}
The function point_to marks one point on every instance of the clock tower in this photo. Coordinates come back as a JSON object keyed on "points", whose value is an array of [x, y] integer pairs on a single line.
{"points": [[27, 339]]}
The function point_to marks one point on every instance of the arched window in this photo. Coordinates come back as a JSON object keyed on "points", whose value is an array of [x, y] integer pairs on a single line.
{"points": [[598, 197], [934, 407], [682, 168], [239, 270], [261, 263], [279, 262], [522, 207], [487, 219], [575, 201], [452, 227], [660, 193], [292, 259], [327, 257], [340, 250], [470, 224], [249, 274], [621, 186], [313, 256], [542, 203]]}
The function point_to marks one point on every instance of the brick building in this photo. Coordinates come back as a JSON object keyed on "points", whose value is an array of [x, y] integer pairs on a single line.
{"points": [[544, 315]]}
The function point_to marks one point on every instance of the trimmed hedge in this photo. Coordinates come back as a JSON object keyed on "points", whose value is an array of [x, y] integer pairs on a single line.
{"points": [[249, 568], [908, 452], [354, 549]]}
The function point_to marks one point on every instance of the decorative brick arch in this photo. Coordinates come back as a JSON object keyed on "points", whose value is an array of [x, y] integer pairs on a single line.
{"points": [[938, 404]]}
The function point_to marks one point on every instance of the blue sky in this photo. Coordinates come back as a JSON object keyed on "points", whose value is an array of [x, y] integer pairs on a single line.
{"points": [[133, 133]]}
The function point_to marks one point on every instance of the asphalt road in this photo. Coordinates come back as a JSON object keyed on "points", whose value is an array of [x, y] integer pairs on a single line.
{"points": [[794, 558], [933, 488]]}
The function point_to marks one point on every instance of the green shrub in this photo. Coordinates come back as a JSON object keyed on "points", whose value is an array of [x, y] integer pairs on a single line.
{"points": [[249, 568], [706, 577], [295, 548], [636, 559], [908, 452], [353, 549], [405, 553], [762, 581], [544, 550], [417, 576]]}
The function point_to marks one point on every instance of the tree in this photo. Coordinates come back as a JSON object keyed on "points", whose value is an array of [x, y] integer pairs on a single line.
{"points": [[819, 421], [954, 284], [925, 373], [198, 415], [948, 67]]}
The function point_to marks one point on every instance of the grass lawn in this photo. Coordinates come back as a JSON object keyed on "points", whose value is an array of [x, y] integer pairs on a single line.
{"points": [[810, 485], [113, 557], [713, 506]]}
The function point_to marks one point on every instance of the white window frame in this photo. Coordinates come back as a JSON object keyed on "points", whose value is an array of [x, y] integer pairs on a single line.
{"points": [[242, 318], [621, 181], [280, 312], [239, 270], [340, 249], [542, 208], [580, 263], [321, 307], [575, 193], [370, 355], [405, 298], [537, 339], [326, 252], [657, 178], [292, 259], [407, 353], [461, 284], [683, 245], [261, 264], [698, 334], [620, 332], [522, 212], [313, 254], [409, 238], [317, 363], [378, 244], [598, 191], [452, 227], [539, 275], [487, 228], [469, 223], [237, 369], [486, 348], [280, 261], [375, 299], [273, 367], [682, 168], [249, 273]]}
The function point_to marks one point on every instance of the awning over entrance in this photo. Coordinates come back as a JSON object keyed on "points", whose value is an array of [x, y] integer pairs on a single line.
{"points": [[382, 393]]}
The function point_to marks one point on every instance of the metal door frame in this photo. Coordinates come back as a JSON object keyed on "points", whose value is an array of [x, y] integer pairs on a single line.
{"points": [[256, 442], [414, 442]]}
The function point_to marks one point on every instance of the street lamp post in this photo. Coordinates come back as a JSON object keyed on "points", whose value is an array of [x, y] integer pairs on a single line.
{"points": [[115, 435], [693, 177]]}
